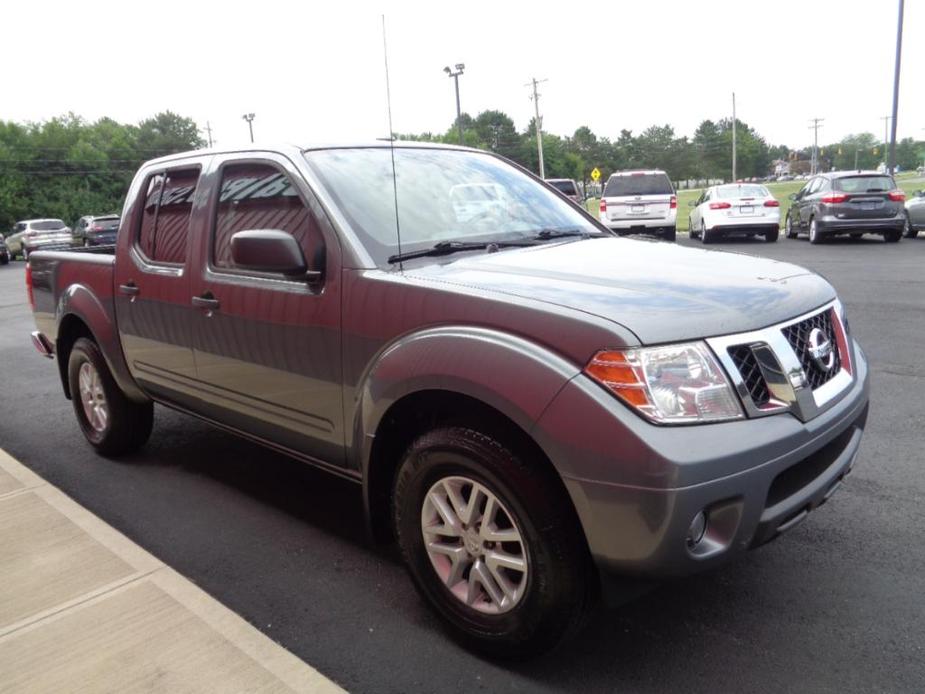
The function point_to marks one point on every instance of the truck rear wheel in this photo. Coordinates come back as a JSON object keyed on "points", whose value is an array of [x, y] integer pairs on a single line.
{"points": [[490, 543], [112, 423]]}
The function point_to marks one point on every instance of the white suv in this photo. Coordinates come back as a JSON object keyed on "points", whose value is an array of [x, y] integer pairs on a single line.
{"points": [[640, 202]]}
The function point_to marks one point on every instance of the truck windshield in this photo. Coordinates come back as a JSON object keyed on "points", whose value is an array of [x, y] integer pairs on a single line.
{"points": [[442, 195]]}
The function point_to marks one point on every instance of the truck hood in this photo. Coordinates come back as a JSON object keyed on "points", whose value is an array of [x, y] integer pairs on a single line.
{"points": [[660, 291]]}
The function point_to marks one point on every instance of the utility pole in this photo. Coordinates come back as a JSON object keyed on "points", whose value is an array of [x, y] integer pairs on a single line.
{"points": [[455, 75], [856, 150], [891, 162], [734, 178], [538, 122], [815, 128], [209, 131], [249, 117], [886, 136]]}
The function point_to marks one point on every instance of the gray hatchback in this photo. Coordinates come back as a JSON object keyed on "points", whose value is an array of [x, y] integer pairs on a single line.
{"points": [[847, 202]]}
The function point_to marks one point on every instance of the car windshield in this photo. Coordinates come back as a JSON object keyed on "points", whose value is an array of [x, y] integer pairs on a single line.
{"points": [[47, 225], [638, 184], [864, 184], [742, 191], [442, 195], [567, 187]]}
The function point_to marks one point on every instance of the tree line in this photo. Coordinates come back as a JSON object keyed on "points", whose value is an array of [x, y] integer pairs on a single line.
{"points": [[707, 154], [67, 167]]}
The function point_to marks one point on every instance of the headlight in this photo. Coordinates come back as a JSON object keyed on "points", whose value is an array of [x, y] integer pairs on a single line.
{"points": [[674, 384]]}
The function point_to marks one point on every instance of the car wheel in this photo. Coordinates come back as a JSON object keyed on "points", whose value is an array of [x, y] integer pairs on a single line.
{"points": [[771, 236], [791, 232], [814, 236], [670, 234], [690, 228], [893, 236], [112, 423], [908, 231], [857, 235], [705, 236], [491, 543], [4, 259]]}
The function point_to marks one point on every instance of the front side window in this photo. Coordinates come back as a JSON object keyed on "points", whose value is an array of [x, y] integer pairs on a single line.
{"points": [[442, 195], [260, 196]]}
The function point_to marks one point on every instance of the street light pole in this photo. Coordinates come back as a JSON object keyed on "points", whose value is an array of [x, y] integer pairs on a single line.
{"points": [[460, 67], [249, 117], [538, 123], [891, 162]]}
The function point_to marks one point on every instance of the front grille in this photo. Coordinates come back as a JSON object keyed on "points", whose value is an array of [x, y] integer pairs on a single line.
{"points": [[744, 360], [798, 337]]}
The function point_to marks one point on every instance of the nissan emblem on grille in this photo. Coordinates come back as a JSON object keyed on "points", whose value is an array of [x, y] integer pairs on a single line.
{"points": [[820, 349]]}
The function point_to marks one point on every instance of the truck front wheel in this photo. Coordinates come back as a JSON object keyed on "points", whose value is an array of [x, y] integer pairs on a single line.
{"points": [[490, 543], [112, 423]]}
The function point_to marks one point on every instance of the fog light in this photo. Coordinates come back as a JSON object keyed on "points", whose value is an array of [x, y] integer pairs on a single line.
{"points": [[697, 529]]}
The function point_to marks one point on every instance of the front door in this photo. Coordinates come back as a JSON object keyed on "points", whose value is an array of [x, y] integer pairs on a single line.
{"points": [[268, 347]]}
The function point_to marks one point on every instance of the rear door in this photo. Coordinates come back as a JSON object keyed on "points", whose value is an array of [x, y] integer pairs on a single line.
{"points": [[268, 347], [864, 197], [638, 195], [152, 283]]}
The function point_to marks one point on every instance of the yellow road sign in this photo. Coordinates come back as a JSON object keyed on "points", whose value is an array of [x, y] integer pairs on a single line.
{"points": [[595, 174]]}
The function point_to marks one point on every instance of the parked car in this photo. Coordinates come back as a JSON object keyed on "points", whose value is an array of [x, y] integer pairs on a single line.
{"points": [[640, 202], [528, 404], [734, 209], [915, 215], [4, 252], [96, 230], [847, 202], [32, 234], [568, 187]]}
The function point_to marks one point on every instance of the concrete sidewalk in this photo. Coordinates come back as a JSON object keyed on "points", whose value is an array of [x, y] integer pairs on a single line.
{"points": [[84, 609]]}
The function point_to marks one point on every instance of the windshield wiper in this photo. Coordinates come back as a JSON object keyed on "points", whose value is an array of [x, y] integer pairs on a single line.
{"points": [[448, 247], [552, 233]]}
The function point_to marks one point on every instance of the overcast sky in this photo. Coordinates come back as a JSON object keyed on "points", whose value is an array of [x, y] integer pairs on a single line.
{"points": [[315, 74]]}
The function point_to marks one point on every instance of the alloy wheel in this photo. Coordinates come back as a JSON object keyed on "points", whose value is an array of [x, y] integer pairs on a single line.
{"points": [[95, 407], [474, 545]]}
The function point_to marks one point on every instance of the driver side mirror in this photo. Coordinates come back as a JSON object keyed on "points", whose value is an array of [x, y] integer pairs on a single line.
{"points": [[692, 203], [271, 250], [793, 196]]}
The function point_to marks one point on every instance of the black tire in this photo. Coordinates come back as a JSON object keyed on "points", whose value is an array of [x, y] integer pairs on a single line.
{"points": [[670, 234], [129, 423], [893, 236], [4, 259], [857, 235], [815, 236], [772, 236], [559, 576], [706, 237], [908, 231], [792, 233]]}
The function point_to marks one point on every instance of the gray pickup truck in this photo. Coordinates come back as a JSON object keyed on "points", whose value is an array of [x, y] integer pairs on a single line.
{"points": [[529, 404]]}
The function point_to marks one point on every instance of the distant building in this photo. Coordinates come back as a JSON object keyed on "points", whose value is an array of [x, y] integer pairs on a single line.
{"points": [[780, 167]]}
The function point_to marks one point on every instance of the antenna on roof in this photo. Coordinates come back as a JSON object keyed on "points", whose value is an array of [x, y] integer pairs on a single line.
{"points": [[388, 103]]}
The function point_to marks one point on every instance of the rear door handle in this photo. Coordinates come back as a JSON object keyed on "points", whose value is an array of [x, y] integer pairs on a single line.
{"points": [[130, 289], [206, 301]]}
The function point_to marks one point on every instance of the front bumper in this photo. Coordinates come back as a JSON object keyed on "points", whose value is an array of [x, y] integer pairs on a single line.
{"points": [[638, 487]]}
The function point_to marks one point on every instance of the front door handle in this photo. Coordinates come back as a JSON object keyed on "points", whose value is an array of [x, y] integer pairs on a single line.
{"points": [[130, 289], [206, 301]]}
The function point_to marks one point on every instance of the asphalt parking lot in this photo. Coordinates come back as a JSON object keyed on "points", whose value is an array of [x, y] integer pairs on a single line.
{"points": [[835, 605]]}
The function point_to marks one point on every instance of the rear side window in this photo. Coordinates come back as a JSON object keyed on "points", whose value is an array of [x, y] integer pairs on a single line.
{"points": [[168, 202], [48, 225], [864, 184], [566, 187], [638, 184], [260, 196]]}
